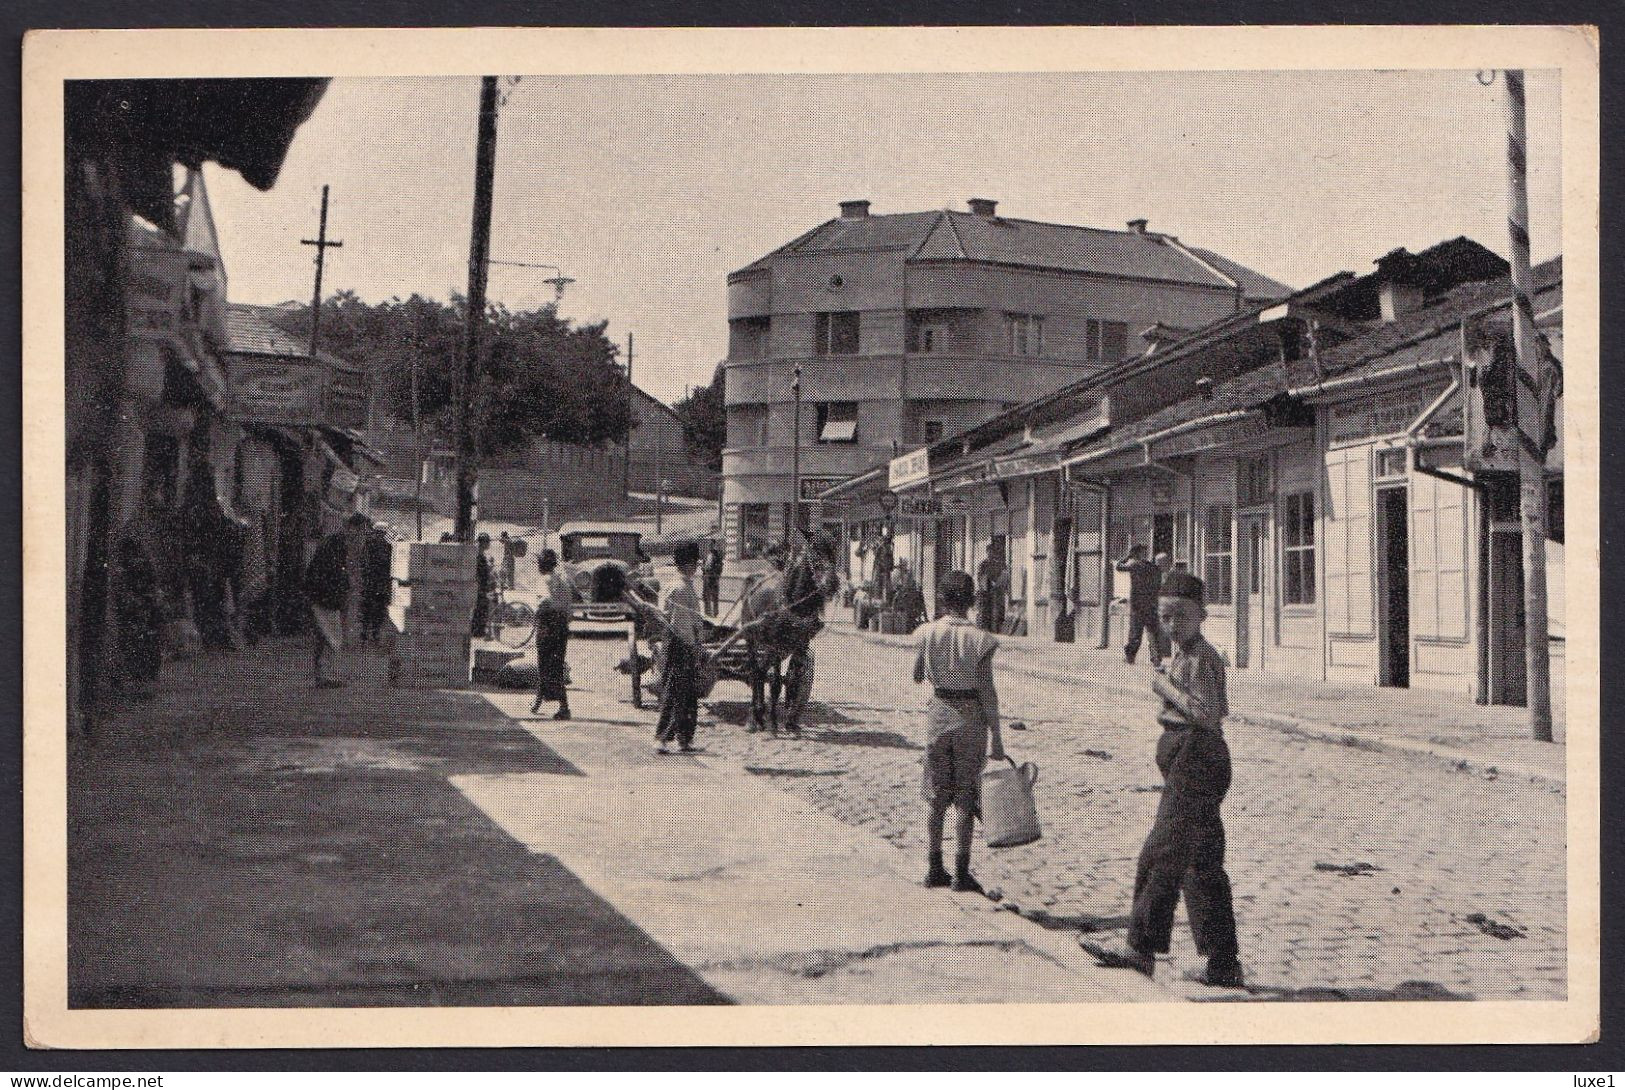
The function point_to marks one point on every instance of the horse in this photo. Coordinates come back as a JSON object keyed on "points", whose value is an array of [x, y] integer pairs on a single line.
{"points": [[779, 615]]}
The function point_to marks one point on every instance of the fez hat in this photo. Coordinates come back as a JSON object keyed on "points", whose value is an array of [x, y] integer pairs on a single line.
{"points": [[1180, 584], [686, 552]]}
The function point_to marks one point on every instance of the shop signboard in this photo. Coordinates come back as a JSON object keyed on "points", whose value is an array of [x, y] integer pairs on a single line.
{"points": [[1373, 417], [276, 390], [920, 507], [910, 468], [812, 486]]}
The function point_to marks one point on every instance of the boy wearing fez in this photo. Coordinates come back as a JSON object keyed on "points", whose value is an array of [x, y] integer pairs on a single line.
{"points": [[679, 697], [1184, 851], [962, 725]]}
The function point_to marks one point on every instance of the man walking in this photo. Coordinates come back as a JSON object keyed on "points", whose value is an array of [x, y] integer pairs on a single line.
{"points": [[991, 590], [1184, 852], [1144, 578], [377, 586], [484, 580], [333, 586]]}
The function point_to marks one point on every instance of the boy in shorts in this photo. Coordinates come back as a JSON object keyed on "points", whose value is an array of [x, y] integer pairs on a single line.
{"points": [[962, 721]]}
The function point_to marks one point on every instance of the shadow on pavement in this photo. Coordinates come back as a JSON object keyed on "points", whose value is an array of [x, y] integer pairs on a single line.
{"points": [[245, 842]]}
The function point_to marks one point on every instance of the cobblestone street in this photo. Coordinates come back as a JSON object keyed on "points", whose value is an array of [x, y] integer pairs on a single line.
{"points": [[1358, 874]]}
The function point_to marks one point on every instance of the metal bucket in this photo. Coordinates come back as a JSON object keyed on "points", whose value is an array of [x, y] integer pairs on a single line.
{"points": [[1009, 810]]}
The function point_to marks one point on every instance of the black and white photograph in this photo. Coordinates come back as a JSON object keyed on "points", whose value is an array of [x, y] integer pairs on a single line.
{"points": [[828, 537]]}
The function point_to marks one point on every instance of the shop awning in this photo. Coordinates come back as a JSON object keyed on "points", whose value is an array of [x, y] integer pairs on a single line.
{"points": [[1049, 454]]}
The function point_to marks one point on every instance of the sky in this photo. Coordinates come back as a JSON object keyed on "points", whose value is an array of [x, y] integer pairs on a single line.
{"points": [[649, 190]]}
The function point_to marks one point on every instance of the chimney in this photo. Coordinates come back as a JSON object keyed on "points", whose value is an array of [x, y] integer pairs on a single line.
{"points": [[981, 206], [1137, 226], [854, 210], [1399, 289], [1398, 298]]}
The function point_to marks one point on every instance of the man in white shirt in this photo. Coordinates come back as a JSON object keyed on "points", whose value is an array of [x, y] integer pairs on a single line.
{"points": [[679, 696]]}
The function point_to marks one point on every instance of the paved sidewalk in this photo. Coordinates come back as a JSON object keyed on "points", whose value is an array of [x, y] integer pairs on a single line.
{"points": [[1486, 740], [761, 894]]}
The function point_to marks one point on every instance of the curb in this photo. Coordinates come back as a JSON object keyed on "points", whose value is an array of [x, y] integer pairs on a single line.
{"points": [[1311, 730]]}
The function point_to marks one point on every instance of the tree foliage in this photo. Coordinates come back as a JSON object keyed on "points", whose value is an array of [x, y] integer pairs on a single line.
{"points": [[544, 377], [705, 420]]}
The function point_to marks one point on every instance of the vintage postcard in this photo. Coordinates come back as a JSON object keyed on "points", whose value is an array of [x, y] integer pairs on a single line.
{"points": [[825, 536]]}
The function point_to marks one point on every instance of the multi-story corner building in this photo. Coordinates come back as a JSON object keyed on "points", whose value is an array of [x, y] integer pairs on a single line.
{"points": [[911, 327]]}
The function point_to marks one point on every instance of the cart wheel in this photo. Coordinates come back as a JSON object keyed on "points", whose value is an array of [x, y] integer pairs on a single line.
{"points": [[635, 672]]}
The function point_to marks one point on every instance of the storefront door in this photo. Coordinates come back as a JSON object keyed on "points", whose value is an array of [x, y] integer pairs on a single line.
{"points": [[1393, 588], [1252, 568]]}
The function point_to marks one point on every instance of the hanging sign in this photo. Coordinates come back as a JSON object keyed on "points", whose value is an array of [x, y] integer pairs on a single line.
{"points": [[921, 506], [275, 390]]}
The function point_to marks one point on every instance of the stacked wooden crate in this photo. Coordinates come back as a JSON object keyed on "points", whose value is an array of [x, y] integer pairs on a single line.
{"points": [[434, 650]]}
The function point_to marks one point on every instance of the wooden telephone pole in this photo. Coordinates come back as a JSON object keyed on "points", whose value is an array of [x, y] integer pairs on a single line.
{"points": [[479, 254], [1531, 374], [631, 409], [322, 244]]}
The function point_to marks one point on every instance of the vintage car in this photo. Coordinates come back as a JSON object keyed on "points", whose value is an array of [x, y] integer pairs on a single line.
{"points": [[604, 560]]}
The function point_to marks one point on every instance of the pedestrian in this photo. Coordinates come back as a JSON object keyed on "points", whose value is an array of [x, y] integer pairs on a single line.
{"points": [[1144, 577], [332, 584], [139, 607], [1184, 851], [377, 585], [907, 598], [713, 580], [991, 590], [679, 694], [509, 559], [884, 559], [962, 726], [484, 580], [552, 635]]}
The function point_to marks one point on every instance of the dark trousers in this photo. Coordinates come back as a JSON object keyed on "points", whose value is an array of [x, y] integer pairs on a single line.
{"points": [[1184, 852], [552, 647], [713, 596], [1142, 621], [679, 698]]}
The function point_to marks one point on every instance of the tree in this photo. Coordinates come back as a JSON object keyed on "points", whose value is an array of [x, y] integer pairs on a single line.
{"points": [[705, 420], [544, 377]]}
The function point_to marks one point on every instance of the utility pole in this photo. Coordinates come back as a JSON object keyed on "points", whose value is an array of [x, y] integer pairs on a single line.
{"points": [[795, 458], [1531, 365], [479, 253], [322, 244], [631, 409], [660, 479]]}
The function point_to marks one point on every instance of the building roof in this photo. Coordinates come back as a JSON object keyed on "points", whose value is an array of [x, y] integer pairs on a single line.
{"points": [[1254, 285], [963, 236], [1429, 332], [251, 332]]}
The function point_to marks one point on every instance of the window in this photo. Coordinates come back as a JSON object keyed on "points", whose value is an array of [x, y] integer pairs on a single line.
{"points": [[1218, 555], [748, 338], [837, 421], [1554, 509], [837, 333], [753, 529], [1253, 481], [1024, 334], [1391, 462], [1298, 549], [1105, 340], [931, 430]]}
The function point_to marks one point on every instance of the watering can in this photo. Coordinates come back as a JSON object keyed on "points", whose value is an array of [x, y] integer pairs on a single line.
{"points": [[1009, 811]]}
